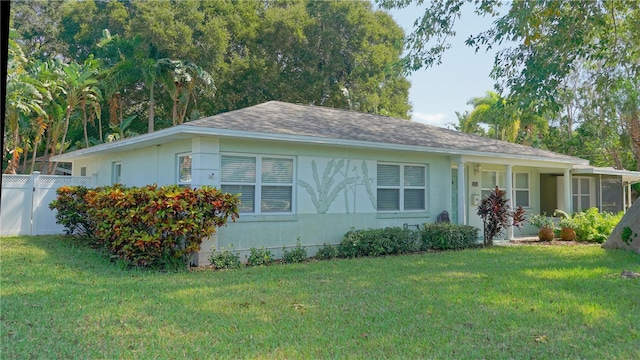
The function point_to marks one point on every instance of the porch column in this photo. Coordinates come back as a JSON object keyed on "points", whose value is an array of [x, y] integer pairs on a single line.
{"points": [[509, 194], [462, 196], [628, 205], [568, 204]]}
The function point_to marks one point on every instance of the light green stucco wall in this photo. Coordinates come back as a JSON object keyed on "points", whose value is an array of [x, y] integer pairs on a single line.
{"points": [[351, 176], [149, 165]]}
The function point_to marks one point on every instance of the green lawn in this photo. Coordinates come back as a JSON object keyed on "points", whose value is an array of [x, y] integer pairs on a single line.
{"points": [[64, 301]]}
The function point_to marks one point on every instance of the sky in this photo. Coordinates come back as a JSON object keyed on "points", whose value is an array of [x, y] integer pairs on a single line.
{"points": [[437, 92]]}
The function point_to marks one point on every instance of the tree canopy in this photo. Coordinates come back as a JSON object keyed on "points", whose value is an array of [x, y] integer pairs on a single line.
{"points": [[171, 62], [553, 54]]}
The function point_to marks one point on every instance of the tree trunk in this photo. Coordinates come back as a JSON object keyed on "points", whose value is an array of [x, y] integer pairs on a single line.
{"points": [[184, 110], [24, 160], [152, 105], [45, 163], [634, 131], [176, 103], [64, 139], [84, 123], [100, 128], [33, 157]]}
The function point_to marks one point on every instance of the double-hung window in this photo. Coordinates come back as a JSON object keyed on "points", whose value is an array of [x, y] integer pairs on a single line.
{"points": [[116, 172], [521, 186], [401, 187], [184, 169], [583, 193], [265, 183], [521, 189]]}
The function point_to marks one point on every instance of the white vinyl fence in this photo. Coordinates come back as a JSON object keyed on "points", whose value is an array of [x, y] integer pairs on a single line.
{"points": [[24, 209]]}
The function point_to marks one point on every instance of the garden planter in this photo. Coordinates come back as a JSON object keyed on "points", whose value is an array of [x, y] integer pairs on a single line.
{"points": [[567, 234], [546, 234]]}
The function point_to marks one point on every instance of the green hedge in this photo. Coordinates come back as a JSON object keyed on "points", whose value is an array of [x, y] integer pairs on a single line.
{"points": [[378, 242], [396, 240], [444, 236]]}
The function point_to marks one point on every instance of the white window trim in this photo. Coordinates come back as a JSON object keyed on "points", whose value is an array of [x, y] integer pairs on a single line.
{"points": [[579, 194], [501, 175], [401, 187], [178, 157], [527, 189], [258, 182], [114, 178]]}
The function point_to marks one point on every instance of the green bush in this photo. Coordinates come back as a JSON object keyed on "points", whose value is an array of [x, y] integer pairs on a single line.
{"points": [[157, 226], [593, 226], [259, 257], [378, 242], [445, 236], [295, 255], [327, 252], [71, 210], [225, 259]]}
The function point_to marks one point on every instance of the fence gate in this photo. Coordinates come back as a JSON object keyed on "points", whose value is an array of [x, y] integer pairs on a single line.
{"points": [[25, 202]]}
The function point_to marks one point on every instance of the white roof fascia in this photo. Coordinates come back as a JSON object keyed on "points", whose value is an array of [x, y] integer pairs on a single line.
{"points": [[627, 175], [374, 145], [548, 164], [116, 145], [157, 136]]}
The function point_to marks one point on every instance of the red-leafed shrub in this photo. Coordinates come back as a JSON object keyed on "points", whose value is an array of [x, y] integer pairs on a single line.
{"points": [[156, 226], [497, 215]]}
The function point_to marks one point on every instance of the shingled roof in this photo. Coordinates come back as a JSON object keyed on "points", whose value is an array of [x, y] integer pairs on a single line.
{"points": [[280, 121], [275, 117]]}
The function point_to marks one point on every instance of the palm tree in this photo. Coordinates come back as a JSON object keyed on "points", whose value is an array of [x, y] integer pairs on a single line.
{"points": [[505, 119], [130, 62], [79, 84], [183, 80], [22, 99]]}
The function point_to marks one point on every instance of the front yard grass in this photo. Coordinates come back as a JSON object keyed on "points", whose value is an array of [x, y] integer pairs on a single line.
{"points": [[60, 300]]}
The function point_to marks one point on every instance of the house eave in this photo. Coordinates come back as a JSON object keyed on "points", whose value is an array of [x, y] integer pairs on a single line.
{"points": [[186, 131], [627, 176]]}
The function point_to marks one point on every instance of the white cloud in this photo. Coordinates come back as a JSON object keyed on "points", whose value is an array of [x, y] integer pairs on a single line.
{"points": [[431, 119]]}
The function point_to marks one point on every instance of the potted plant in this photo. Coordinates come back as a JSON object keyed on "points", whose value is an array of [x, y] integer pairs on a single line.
{"points": [[545, 225], [567, 225]]}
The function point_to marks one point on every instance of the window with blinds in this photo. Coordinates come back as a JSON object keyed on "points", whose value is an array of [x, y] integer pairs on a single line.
{"points": [[269, 190], [401, 187]]}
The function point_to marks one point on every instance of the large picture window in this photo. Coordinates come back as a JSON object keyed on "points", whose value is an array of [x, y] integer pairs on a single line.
{"points": [[521, 186], [401, 187], [269, 190]]}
